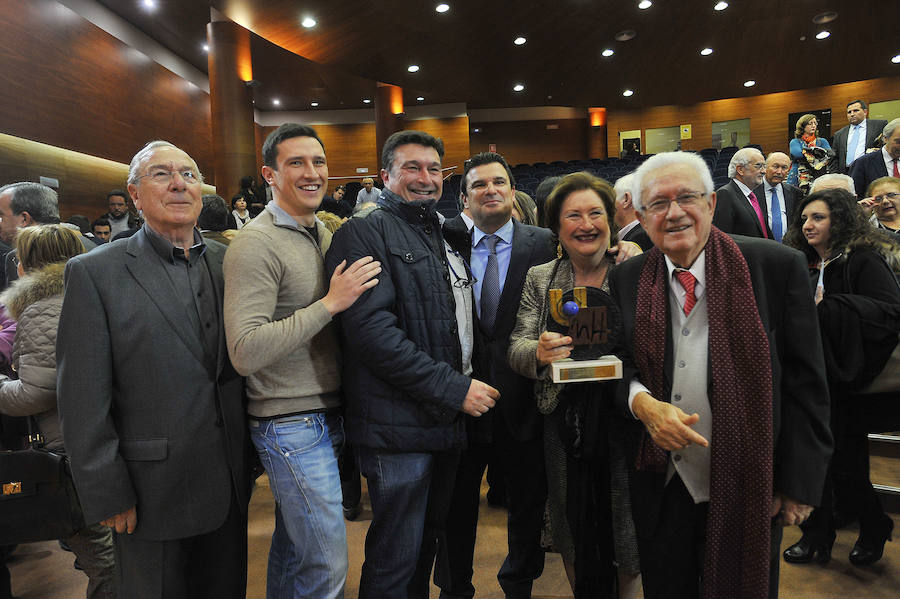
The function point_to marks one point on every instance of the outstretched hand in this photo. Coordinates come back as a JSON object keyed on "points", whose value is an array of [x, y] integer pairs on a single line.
{"points": [[669, 426]]}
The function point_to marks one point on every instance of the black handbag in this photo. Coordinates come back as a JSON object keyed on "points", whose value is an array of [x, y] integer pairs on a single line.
{"points": [[38, 501]]}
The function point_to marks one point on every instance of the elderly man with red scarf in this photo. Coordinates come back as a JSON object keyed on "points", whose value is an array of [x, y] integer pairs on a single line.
{"points": [[725, 383]]}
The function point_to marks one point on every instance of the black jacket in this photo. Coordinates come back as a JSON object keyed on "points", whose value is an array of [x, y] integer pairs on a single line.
{"points": [[402, 378]]}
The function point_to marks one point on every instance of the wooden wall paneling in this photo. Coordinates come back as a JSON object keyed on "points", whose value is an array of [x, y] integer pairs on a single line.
{"points": [[767, 113], [455, 134], [531, 141], [71, 85]]}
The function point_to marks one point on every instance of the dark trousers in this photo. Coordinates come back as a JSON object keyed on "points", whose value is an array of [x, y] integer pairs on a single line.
{"points": [[212, 565], [672, 559], [523, 471]]}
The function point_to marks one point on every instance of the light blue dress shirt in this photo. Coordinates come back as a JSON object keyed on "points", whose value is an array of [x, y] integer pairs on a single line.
{"points": [[480, 257]]}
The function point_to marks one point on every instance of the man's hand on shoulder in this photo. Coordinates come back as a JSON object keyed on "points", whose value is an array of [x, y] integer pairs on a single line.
{"points": [[347, 284], [124, 522], [480, 398], [669, 426]]}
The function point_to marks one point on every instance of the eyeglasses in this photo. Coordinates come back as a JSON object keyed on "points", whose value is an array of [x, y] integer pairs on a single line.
{"points": [[758, 165], [164, 176], [891, 195], [684, 201]]}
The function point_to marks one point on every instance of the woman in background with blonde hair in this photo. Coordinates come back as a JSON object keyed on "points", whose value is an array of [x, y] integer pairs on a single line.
{"points": [[35, 301]]}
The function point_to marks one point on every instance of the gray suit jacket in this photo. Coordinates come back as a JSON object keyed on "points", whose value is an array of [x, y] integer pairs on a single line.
{"points": [[146, 419], [874, 128]]}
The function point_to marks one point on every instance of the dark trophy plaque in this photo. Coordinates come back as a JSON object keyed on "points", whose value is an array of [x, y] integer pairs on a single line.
{"points": [[592, 320]]}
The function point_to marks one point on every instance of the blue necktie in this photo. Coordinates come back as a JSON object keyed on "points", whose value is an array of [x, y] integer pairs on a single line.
{"points": [[490, 284], [776, 216], [851, 145]]}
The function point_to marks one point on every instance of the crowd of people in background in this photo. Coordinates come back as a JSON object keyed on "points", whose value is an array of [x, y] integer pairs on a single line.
{"points": [[179, 345]]}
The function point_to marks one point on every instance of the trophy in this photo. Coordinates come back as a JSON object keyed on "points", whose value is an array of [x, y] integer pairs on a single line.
{"points": [[592, 320]]}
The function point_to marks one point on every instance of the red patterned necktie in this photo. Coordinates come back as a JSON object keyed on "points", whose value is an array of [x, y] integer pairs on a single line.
{"points": [[756, 208], [687, 281]]}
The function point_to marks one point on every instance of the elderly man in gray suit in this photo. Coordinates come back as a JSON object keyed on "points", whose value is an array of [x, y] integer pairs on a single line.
{"points": [[153, 415]]}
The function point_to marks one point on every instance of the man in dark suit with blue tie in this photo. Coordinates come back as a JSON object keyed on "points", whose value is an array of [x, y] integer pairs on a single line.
{"points": [[153, 415], [781, 197], [860, 134], [880, 163], [500, 251]]}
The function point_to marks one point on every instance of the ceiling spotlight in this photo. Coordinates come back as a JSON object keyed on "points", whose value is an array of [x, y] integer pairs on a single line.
{"points": [[313, 104], [518, 87], [412, 68], [149, 4], [519, 41], [896, 59], [420, 99], [308, 22], [276, 102], [628, 93], [607, 53], [624, 36], [367, 101], [825, 17], [645, 4], [706, 51], [822, 35], [720, 6], [476, 130], [442, 7], [205, 47], [749, 83]]}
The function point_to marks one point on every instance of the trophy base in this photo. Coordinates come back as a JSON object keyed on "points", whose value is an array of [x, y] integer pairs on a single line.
{"points": [[603, 368]]}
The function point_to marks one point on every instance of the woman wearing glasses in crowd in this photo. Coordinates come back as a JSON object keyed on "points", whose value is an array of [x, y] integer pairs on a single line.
{"points": [[883, 199], [35, 300], [588, 499], [858, 303]]}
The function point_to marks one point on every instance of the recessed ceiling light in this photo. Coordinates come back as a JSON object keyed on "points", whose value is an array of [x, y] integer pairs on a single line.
{"points": [[476, 130], [624, 36], [276, 102], [420, 99], [825, 17], [607, 53], [313, 104], [706, 51], [720, 6], [628, 93], [519, 41], [749, 83], [518, 87], [308, 22], [442, 7], [412, 68], [149, 4], [645, 4], [896, 59], [367, 101], [822, 35], [205, 47]]}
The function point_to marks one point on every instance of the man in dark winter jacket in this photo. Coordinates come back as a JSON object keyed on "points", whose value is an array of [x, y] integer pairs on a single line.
{"points": [[404, 370]]}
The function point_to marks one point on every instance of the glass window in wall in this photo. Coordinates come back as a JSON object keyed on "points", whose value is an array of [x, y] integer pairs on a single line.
{"points": [[663, 139], [730, 133]]}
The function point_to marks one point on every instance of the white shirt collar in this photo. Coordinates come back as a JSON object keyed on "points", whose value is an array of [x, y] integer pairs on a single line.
{"points": [[746, 190], [468, 220], [698, 269], [627, 228]]}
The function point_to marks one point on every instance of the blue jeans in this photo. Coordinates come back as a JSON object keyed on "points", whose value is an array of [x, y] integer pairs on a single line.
{"points": [[308, 557]]}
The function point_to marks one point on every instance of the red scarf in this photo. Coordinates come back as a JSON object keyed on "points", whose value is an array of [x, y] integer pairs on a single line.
{"points": [[737, 533], [809, 140]]}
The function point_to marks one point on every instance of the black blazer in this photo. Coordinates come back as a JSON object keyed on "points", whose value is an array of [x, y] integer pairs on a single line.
{"points": [[874, 127], [792, 196], [735, 215], [639, 236], [800, 410], [147, 418], [866, 169], [531, 246]]}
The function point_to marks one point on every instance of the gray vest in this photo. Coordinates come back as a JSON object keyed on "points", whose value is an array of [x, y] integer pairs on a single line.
{"points": [[690, 339]]}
